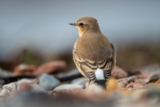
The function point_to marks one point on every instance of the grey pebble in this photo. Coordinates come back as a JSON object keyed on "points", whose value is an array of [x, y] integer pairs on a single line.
{"points": [[80, 81], [154, 76], [66, 87], [48, 82], [8, 89]]}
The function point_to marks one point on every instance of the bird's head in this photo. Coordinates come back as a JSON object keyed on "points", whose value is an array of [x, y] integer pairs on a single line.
{"points": [[86, 24]]}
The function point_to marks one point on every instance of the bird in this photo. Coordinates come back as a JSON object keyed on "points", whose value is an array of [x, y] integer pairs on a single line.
{"points": [[93, 54]]}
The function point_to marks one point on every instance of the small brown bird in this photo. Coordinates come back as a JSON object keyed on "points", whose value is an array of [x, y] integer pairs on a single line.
{"points": [[93, 54]]}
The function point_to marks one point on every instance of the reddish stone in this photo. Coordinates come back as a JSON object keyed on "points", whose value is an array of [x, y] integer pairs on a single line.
{"points": [[24, 86], [119, 73], [158, 81], [146, 75], [140, 81], [24, 69], [130, 85], [124, 82], [51, 67], [134, 85], [137, 85]]}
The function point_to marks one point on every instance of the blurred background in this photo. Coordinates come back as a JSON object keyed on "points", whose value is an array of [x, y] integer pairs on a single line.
{"points": [[37, 31]]}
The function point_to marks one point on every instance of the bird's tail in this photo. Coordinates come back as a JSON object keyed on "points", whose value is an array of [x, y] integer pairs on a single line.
{"points": [[101, 83]]}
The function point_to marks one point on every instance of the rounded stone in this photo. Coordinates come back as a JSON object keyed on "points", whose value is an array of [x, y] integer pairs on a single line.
{"points": [[48, 82]]}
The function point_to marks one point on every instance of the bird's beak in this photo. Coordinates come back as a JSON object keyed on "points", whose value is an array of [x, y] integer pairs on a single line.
{"points": [[73, 24]]}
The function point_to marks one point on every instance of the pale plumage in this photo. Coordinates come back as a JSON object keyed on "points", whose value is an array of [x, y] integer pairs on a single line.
{"points": [[93, 54]]}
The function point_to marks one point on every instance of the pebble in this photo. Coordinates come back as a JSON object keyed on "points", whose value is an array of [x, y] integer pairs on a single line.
{"points": [[131, 79], [51, 67], [134, 86], [151, 68], [24, 69], [8, 89], [4, 73], [95, 89], [48, 82], [123, 82], [68, 87], [153, 77], [22, 81], [119, 73], [37, 88], [80, 81], [29, 98], [158, 81]]}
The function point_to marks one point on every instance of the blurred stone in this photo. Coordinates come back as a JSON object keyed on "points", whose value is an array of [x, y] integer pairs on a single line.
{"points": [[123, 82], [134, 85], [32, 87], [24, 69], [153, 95], [140, 81], [37, 88], [23, 81], [25, 86], [151, 68], [48, 82], [4, 73], [80, 81], [51, 67], [146, 75], [119, 73], [153, 77], [8, 89], [112, 84], [137, 85], [131, 79], [121, 85], [93, 88], [158, 81], [68, 87], [15, 86], [29, 98]]}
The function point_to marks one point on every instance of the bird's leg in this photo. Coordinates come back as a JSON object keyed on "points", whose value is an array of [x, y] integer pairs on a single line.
{"points": [[88, 84]]}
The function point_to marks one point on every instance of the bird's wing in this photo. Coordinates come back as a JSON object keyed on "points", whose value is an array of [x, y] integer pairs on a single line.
{"points": [[87, 67], [108, 61], [84, 66]]}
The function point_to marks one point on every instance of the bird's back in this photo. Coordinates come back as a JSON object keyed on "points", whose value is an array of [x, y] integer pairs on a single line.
{"points": [[93, 46]]}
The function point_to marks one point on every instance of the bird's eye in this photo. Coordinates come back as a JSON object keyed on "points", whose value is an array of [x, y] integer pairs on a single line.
{"points": [[81, 24]]}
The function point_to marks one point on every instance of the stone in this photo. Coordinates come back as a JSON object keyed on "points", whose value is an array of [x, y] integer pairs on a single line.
{"points": [[23, 69], [68, 87], [122, 83], [93, 88], [80, 81], [140, 81], [29, 98], [8, 89], [51, 67], [158, 81], [153, 77], [22, 81], [48, 82], [4, 73], [25, 86], [151, 68], [38, 89], [135, 86], [119, 73]]}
